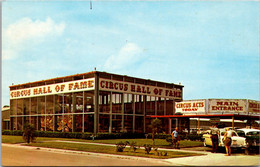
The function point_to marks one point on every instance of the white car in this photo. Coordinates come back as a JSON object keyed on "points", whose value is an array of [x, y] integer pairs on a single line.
{"points": [[237, 141], [250, 133]]}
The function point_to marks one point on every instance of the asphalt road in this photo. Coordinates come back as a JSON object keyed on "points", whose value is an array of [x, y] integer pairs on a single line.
{"points": [[26, 156]]}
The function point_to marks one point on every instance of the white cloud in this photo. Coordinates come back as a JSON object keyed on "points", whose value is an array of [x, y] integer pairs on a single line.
{"points": [[127, 55], [25, 30]]}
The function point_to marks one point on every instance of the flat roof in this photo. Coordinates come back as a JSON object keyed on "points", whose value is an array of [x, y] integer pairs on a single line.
{"points": [[102, 75]]}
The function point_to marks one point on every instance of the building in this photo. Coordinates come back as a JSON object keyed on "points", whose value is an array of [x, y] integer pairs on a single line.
{"points": [[203, 113], [92, 102], [104, 102], [5, 117]]}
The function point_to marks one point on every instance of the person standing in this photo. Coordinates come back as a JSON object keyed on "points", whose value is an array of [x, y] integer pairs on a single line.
{"points": [[228, 140], [214, 138], [176, 138]]}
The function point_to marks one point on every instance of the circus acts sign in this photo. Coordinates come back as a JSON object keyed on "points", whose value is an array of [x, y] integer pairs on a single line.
{"points": [[65, 87], [190, 106]]}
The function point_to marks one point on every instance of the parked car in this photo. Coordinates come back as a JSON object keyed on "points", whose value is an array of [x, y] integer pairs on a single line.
{"points": [[195, 131], [231, 128], [252, 136], [237, 141]]}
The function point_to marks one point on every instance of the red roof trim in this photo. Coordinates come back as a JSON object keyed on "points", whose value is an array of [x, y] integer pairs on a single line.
{"points": [[204, 116]]}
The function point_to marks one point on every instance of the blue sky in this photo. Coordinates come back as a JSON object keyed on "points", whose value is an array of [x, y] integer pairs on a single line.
{"points": [[212, 48]]}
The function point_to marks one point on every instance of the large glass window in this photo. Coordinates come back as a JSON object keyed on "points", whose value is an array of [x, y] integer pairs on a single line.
{"points": [[26, 106], [41, 105], [59, 123], [20, 107], [150, 105], [13, 107], [19, 123], [78, 102], [128, 103], [165, 125], [68, 103], [42, 128], [116, 102], [34, 122], [169, 106], [78, 123], [104, 102], [160, 106], [89, 101], [49, 123], [49, 104], [33, 106], [89, 123], [128, 123], [104, 123], [139, 104], [148, 122], [116, 123], [67, 123], [13, 121], [58, 103], [139, 124]]}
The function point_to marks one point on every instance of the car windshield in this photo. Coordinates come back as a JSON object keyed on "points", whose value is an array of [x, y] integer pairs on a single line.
{"points": [[253, 133], [241, 133]]}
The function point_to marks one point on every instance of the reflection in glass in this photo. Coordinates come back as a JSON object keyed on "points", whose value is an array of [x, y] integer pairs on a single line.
{"points": [[19, 106], [89, 123], [103, 123], [13, 106], [160, 106], [139, 104], [116, 123], [19, 123], [128, 103], [128, 123], [139, 124], [116, 102], [33, 106]]}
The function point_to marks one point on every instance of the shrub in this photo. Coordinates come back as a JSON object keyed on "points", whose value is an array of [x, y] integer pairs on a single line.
{"points": [[133, 146], [78, 135], [28, 133], [120, 146], [147, 148]]}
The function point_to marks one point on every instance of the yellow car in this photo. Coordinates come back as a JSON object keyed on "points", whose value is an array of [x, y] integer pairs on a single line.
{"points": [[237, 141]]}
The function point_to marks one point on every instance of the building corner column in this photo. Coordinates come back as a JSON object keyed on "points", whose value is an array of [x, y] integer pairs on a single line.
{"points": [[96, 104]]}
